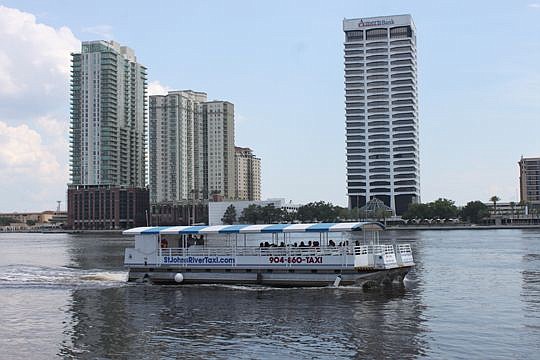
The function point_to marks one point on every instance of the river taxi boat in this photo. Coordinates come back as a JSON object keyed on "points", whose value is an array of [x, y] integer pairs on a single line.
{"points": [[318, 254]]}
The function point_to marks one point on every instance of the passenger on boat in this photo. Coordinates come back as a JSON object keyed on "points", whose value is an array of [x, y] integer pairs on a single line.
{"points": [[302, 244], [309, 244], [266, 244], [295, 244], [199, 240], [282, 244], [261, 244], [316, 244], [331, 243], [357, 243]]}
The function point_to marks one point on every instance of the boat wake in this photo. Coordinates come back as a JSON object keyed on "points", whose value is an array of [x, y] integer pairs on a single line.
{"points": [[43, 276]]}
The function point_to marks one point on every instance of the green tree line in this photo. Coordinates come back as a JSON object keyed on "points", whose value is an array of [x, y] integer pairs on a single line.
{"points": [[322, 211]]}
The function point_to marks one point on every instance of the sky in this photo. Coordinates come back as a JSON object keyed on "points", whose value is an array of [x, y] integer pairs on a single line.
{"points": [[281, 64]]}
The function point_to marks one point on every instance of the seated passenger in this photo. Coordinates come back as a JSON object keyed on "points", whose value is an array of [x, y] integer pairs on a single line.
{"points": [[261, 244], [331, 243], [309, 244], [282, 244], [302, 244]]}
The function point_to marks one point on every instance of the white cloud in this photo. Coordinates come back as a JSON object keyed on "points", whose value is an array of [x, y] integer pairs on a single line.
{"points": [[156, 88], [34, 58], [104, 31], [52, 126], [34, 111], [534, 5], [23, 156]]}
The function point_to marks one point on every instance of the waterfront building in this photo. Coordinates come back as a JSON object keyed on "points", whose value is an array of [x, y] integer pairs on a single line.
{"points": [[381, 109], [107, 140], [248, 174], [191, 146], [529, 180], [104, 207], [176, 146], [219, 166], [29, 217]]}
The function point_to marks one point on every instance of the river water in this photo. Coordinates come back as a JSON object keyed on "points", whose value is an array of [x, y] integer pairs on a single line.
{"points": [[475, 294]]}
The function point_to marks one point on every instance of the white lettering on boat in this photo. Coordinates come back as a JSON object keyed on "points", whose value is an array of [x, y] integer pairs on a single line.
{"points": [[198, 260]]}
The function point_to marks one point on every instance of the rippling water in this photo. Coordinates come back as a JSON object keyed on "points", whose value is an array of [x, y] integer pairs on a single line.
{"points": [[474, 294]]}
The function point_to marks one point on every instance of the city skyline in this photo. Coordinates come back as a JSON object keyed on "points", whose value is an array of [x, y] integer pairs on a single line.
{"points": [[479, 90]]}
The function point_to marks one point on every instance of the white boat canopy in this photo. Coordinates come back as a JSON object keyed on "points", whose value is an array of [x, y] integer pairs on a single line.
{"points": [[262, 228]]}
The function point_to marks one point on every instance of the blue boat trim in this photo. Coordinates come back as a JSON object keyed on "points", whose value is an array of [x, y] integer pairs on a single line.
{"points": [[263, 228], [322, 227], [232, 229]]}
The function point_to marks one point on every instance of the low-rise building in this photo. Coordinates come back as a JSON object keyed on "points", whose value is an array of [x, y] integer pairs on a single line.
{"points": [[103, 207]]}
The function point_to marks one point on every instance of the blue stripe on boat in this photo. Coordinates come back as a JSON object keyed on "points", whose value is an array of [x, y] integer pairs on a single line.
{"points": [[154, 230], [322, 227], [232, 229], [276, 228], [193, 229]]}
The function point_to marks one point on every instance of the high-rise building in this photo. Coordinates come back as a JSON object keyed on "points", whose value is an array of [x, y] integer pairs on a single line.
{"points": [[108, 89], [381, 109], [219, 167], [529, 179], [107, 145], [248, 174], [191, 148], [176, 146]]}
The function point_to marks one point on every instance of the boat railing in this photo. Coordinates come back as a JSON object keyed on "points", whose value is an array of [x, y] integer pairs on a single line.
{"points": [[373, 249], [404, 249], [198, 250], [404, 256]]}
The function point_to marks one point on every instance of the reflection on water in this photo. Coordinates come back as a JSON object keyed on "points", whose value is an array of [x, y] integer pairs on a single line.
{"points": [[243, 322], [473, 294]]}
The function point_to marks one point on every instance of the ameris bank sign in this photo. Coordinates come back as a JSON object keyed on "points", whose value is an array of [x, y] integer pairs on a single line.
{"points": [[382, 22]]}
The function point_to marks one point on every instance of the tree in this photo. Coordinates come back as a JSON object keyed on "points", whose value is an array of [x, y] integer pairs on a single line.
{"points": [[474, 211], [513, 208], [443, 208], [4, 221], [494, 199], [251, 214], [318, 211], [271, 215], [229, 217], [418, 211], [31, 222]]}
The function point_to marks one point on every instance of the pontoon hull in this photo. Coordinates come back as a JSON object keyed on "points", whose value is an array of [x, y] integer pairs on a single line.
{"points": [[270, 277]]}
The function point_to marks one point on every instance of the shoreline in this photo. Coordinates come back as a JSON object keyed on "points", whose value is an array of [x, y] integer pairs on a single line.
{"points": [[388, 228]]}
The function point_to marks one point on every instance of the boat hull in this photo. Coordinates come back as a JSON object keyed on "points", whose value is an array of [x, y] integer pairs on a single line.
{"points": [[269, 277]]}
